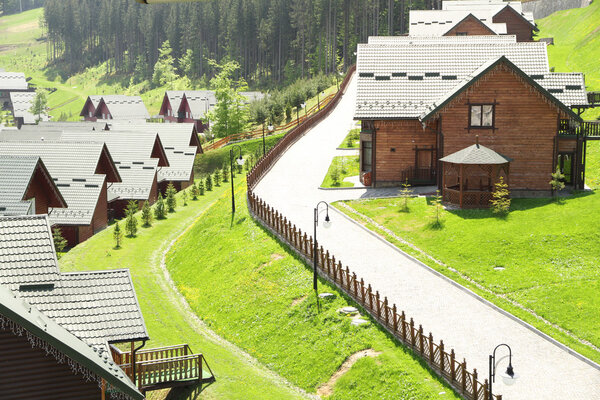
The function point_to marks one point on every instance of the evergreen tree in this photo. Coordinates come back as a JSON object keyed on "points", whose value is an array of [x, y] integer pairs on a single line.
{"points": [[500, 202], [39, 104], [59, 241], [171, 200], [209, 183], [217, 179], [405, 194], [146, 215], [438, 209], [117, 235], [184, 197], [164, 71], [557, 183], [195, 192], [225, 172], [186, 63], [201, 187], [159, 208], [130, 219]]}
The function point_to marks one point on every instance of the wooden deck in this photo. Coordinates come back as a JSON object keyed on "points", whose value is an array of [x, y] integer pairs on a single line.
{"points": [[165, 367], [590, 130]]}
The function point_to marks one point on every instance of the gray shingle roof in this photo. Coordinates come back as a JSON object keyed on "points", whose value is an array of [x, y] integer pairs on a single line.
{"points": [[21, 104], [12, 81], [440, 40], [439, 22], [15, 176], [476, 154], [200, 103], [43, 327], [27, 251], [82, 195], [407, 80], [494, 6], [71, 125], [124, 107], [193, 96]]}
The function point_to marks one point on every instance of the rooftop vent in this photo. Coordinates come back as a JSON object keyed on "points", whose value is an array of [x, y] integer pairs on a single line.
{"points": [[366, 74], [125, 167], [382, 78], [63, 184], [449, 77], [138, 163], [432, 74], [573, 87], [555, 90], [537, 77], [398, 74], [91, 185], [415, 78], [79, 179]]}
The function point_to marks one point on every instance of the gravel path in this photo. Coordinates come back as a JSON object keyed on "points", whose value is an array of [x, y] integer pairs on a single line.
{"points": [[466, 322]]}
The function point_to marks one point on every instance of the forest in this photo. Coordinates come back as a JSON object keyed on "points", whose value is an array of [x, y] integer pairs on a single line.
{"points": [[275, 42]]}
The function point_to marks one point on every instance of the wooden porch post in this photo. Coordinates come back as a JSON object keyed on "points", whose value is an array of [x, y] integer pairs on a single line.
{"points": [[132, 361], [103, 390], [460, 183]]}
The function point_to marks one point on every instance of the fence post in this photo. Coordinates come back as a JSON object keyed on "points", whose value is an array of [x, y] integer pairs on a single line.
{"points": [[421, 347], [485, 389], [385, 311], [403, 326], [412, 332], [370, 294], [395, 315], [347, 279], [355, 285], [378, 304], [475, 383], [452, 371], [362, 290], [330, 266], [442, 355], [431, 357], [464, 375]]}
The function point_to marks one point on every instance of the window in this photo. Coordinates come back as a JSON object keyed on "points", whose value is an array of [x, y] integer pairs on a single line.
{"points": [[91, 114], [367, 155], [482, 116]]}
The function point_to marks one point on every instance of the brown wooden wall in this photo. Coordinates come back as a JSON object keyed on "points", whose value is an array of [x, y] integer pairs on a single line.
{"points": [[90, 108], [38, 189], [103, 112], [526, 127], [515, 25], [100, 219], [472, 26], [27, 373], [394, 149]]}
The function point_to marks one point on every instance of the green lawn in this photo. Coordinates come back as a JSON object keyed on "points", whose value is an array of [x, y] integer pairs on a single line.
{"points": [[165, 319], [344, 166], [249, 288], [543, 256], [352, 140]]}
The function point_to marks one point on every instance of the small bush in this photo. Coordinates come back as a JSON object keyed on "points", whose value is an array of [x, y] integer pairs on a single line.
{"points": [[209, 183], [335, 177], [201, 187], [117, 235], [500, 202], [217, 178], [159, 208], [405, 194], [225, 173], [194, 191], [184, 197], [557, 183], [437, 212], [146, 215], [131, 221]]}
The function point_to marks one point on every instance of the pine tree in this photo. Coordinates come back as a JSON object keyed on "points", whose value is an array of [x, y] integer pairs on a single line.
{"points": [[159, 208], [146, 215], [117, 235], [201, 187], [218, 178], [405, 194], [557, 182], [195, 192], [184, 197], [59, 241], [130, 219], [438, 209], [171, 200], [225, 172], [500, 202], [208, 183]]}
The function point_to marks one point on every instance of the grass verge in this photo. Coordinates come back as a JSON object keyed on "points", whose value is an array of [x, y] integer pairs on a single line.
{"points": [[352, 140], [249, 288], [341, 167], [166, 320], [539, 263]]}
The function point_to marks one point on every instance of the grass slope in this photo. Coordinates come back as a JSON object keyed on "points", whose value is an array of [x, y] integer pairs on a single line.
{"points": [[167, 323], [549, 253], [250, 289], [345, 166]]}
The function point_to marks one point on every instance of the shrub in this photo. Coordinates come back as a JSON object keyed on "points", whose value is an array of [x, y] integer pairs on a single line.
{"points": [[146, 215], [171, 200], [500, 202], [59, 241], [557, 182], [218, 177], [194, 191], [159, 208], [405, 194], [225, 172], [335, 177], [184, 197], [209, 183], [117, 235], [201, 187], [130, 220]]}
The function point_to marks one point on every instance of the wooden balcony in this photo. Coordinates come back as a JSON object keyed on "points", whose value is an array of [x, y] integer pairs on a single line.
{"points": [[164, 367], [594, 99], [587, 129]]}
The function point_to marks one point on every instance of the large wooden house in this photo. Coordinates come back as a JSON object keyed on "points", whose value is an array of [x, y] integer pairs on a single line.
{"points": [[20, 106], [11, 82], [421, 102], [188, 106], [114, 107], [474, 17]]}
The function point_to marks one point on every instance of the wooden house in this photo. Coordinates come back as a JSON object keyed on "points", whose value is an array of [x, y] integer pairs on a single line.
{"points": [[114, 107], [26, 187], [420, 103], [100, 308], [510, 13], [20, 106], [453, 23], [11, 82], [188, 106], [81, 171]]}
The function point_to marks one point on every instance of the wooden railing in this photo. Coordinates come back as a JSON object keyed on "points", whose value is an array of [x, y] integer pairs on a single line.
{"points": [[159, 367], [594, 98], [445, 364], [258, 132], [418, 175], [585, 129]]}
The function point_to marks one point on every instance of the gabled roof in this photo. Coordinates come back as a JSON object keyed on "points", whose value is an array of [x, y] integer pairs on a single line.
{"points": [[198, 102], [476, 154], [99, 364], [21, 104], [27, 252], [439, 22], [81, 126], [13, 81], [442, 39], [91, 100], [493, 6], [407, 79], [468, 81], [123, 107], [82, 195], [175, 96], [17, 174]]}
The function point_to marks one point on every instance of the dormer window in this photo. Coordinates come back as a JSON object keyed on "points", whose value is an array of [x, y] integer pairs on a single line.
{"points": [[481, 116]]}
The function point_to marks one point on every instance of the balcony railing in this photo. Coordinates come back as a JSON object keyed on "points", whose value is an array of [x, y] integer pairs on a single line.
{"points": [[594, 98], [165, 367], [589, 129]]}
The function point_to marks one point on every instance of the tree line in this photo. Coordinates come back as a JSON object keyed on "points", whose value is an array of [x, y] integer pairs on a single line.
{"points": [[16, 6], [275, 42]]}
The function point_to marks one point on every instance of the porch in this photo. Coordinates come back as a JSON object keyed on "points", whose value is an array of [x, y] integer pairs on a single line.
{"points": [[164, 367]]}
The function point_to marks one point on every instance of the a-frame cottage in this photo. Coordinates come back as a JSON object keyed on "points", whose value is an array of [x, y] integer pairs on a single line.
{"points": [[110, 107], [188, 106], [419, 103]]}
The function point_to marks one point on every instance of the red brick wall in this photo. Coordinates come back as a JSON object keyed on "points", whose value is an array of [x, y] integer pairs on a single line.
{"points": [[472, 26], [526, 127], [515, 25]]}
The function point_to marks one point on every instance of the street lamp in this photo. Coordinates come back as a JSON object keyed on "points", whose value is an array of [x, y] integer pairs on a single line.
{"points": [[239, 161], [326, 225], [508, 377]]}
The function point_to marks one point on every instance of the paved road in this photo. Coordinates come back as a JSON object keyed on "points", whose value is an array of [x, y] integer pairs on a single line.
{"points": [[465, 323]]}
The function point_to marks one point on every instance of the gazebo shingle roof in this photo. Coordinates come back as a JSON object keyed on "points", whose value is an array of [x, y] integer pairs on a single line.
{"points": [[476, 155]]}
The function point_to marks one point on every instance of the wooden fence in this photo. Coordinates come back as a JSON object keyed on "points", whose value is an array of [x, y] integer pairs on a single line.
{"points": [[403, 328]]}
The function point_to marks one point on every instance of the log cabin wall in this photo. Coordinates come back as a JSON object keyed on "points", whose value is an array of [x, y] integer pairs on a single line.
{"points": [[515, 25], [28, 373], [39, 191], [525, 127], [394, 151], [470, 26]]}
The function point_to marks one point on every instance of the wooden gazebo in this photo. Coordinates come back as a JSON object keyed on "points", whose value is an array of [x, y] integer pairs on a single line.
{"points": [[470, 175]]}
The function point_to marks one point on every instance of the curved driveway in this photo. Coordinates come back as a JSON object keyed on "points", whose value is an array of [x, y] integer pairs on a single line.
{"points": [[466, 323]]}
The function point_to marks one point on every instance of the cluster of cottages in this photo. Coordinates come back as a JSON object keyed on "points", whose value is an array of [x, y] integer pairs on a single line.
{"points": [[462, 107]]}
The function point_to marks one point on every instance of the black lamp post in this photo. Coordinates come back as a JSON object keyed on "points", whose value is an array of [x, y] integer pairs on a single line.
{"points": [[240, 161], [509, 377], [326, 224]]}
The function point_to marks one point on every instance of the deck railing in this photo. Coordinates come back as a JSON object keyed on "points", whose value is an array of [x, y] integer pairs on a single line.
{"points": [[585, 129], [446, 364], [594, 98], [417, 176]]}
